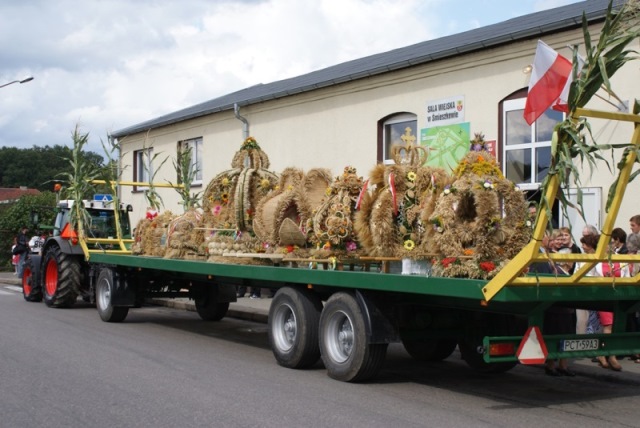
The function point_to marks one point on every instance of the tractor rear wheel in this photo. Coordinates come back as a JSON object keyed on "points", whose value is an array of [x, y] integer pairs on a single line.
{"points": [[31, 290]]}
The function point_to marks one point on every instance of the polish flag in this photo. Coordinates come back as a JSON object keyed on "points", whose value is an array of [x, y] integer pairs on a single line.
{"points": [[550, 82]]}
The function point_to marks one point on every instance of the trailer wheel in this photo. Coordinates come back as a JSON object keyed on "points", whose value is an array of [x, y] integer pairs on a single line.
{"points": [[432, 350], [208, 306], [104, 292], [294, 317], [344, 345], [62, 278], [31, 291]]}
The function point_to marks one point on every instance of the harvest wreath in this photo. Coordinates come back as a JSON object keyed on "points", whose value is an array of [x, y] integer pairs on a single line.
{"points": [[479, 220]]}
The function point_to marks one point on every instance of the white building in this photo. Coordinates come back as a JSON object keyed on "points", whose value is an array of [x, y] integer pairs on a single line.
{"points": [[351, 113]]}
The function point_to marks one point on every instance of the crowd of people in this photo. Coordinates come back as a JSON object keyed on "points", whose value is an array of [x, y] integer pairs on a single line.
{"points": [[561, 320]]}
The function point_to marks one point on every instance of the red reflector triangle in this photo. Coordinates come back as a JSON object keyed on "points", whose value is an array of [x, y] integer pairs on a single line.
{"points": [[532, 349]]}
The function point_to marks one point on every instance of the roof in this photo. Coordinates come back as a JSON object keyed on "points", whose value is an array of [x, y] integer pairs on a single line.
{"points": [[520, 28], [10, 194]]}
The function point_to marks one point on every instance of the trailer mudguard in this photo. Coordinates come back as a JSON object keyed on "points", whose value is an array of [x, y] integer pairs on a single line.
{"points": [[378, 326], [122, 293]]}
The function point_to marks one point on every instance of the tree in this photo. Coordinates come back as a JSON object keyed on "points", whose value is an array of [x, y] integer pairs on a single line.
{"points": [[37, 167], [15, 216]]}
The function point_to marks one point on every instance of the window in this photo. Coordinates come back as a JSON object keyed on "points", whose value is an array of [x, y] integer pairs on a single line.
{"points": [[398, 129], [526, 149], [142, 168], [195, 145]]}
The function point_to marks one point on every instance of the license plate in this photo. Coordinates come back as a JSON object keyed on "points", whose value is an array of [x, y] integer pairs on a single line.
{"points": [[574, 345]]}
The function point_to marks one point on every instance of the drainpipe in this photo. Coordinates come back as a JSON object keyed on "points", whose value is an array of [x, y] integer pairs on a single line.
{"points": [[111, 143], [245, 122]]}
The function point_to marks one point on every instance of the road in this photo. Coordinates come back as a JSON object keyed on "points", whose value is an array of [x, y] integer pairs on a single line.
{"points": [[164, 367]]}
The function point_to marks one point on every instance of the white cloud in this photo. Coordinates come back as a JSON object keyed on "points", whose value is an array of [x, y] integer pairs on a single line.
{"points": [[112, 64]]}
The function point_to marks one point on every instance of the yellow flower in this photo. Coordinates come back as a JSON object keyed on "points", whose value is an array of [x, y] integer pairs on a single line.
{"points": [[225, 181], [411, 176], [225, 197], [265, 184], [409, 245]]}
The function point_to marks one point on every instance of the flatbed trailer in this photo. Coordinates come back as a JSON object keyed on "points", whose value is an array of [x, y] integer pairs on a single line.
{"points": [[347, 313], [364, 311]]}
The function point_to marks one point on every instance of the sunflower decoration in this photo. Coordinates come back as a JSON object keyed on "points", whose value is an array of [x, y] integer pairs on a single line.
{"points": [[390, 220], [333, 221], [481, 224]]}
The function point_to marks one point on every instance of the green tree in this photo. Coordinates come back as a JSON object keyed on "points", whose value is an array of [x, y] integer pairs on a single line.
{"points": [[37, 167], [14, 216]]}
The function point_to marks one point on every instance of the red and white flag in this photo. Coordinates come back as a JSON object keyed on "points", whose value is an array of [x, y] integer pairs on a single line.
{"points": [[549, 84]]}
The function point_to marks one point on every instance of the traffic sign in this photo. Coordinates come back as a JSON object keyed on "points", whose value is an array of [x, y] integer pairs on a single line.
{"points": [[103, 197], [532, 349]]}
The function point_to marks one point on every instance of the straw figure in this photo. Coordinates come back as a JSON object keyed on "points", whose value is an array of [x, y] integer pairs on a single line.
{"points": [[282, 216], [389, 221], [185, 236], [479, 221], [151, 235], [331, 227]]}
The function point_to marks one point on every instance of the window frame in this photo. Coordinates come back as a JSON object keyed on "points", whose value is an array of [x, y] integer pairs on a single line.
{"points": [[196, 157], [392, 119], [140, 157], [533, 146]]}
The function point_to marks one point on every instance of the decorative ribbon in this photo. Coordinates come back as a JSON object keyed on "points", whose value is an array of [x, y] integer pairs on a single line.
{"points": [[392, 187], [361, 195]]}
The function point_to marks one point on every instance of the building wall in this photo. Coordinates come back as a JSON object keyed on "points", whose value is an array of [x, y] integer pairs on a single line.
{"points": [[338, 125]]}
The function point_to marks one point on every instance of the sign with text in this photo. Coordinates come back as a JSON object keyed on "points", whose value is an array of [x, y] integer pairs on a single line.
{"points": [[445, 111], [446, 145]]}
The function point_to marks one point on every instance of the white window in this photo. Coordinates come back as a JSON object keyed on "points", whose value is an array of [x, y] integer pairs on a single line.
{"points": [[526, 149], [142, 166], [195, 145], [398, 130]]}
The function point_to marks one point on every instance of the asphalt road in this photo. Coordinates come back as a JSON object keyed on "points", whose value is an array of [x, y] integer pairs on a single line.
{"points": [[165, 367]]}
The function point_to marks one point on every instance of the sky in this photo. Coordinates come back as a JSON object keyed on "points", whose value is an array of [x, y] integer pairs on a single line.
{"points": [[104, 65]]}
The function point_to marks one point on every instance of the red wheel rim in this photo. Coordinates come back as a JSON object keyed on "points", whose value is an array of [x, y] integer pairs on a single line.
{"points": [[26, 281], [51, 277]]}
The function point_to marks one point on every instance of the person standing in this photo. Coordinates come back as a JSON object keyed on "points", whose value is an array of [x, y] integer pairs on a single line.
{"points": [[22, 241], [14, 257], [618, 244]]}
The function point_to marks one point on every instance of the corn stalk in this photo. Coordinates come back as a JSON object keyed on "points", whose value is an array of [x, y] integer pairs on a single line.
{"points": [[602, 60], [77, 183], [186, 176]]}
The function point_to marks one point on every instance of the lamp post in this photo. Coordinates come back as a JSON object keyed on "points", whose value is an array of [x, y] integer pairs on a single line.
{"points": [[25, 80]]}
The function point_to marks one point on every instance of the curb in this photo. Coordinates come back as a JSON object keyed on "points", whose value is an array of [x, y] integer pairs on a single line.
{"points": [[235, 310]]}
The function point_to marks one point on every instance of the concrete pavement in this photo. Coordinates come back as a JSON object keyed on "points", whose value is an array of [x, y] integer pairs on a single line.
{"points": [[257, 310]]}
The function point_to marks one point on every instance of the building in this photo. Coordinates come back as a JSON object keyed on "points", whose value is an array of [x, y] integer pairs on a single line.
{"points": [[440, 92], [9, 195]]}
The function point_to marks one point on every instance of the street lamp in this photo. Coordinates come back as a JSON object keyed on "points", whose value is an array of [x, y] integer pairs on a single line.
{"points": [[25, 80]]}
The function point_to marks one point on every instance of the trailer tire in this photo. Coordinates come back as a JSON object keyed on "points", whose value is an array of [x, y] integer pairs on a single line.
{"points": [[294, 319], [104, 303], [31, 291], [431, 350], [344, 344], [209, 308], [62, 277]]}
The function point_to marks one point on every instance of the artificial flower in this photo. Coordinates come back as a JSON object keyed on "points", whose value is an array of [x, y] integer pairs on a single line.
{"points": [[409, 245], [487, 266], [411, 176], [448, 260]]}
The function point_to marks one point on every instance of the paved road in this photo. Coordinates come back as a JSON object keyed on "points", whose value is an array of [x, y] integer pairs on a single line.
{"points": [[164, 367]]}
